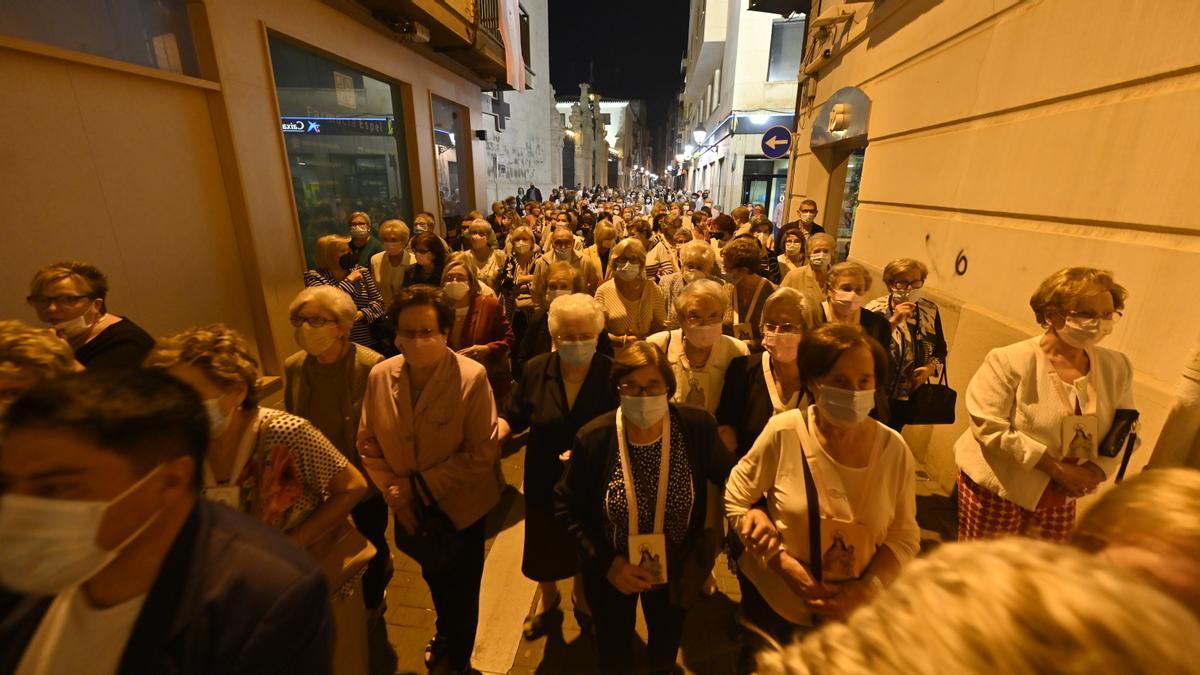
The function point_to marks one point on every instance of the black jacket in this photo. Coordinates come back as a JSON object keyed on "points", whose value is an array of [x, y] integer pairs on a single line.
{"points": [[233, 596], [123, 345], [537, 340], [579, 496], [540, 405]]}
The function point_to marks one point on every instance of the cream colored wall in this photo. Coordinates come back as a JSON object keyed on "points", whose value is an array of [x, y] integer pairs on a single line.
{"points": [[1030, 135], [239, 29], [117, 167]]}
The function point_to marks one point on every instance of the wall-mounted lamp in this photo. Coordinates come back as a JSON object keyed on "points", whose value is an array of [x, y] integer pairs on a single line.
{"points": [[699, 134]]}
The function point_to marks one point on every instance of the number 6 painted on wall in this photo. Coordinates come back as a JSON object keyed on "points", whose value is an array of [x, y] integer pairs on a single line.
{"points": [[960, 263]]}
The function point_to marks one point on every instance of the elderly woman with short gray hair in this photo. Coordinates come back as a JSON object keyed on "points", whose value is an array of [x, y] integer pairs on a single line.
{"points": [[558, 393], [324, 383], [697, 260], [486, 262]]}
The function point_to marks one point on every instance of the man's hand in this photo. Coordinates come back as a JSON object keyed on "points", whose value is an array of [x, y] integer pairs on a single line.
{"points": [[627, 577], [759, 533]]}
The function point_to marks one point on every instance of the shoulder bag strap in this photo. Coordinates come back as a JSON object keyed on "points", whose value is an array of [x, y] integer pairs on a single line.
{"points": [[814, 514]]}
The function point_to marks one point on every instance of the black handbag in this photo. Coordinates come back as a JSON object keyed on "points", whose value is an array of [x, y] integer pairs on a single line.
{"points": [[933, 402], [1122, 434], [436, 541]]}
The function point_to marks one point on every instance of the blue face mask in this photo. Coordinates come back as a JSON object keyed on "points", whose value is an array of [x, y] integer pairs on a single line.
{"points": [[577, 352], [644, 411]]}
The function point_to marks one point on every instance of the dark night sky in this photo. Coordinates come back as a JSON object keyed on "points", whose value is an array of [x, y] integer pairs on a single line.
{"points": [[633, 48]]}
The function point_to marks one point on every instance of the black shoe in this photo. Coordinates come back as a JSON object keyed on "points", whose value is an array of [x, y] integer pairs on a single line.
{"points": [[586, 625], [537, 625], [435, 651]]}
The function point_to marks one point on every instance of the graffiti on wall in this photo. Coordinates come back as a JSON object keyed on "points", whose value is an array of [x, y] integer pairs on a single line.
{"points": [[523, 163]]}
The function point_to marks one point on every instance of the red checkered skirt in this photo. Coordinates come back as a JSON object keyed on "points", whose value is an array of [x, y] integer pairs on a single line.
{"points": [[983, 514]]}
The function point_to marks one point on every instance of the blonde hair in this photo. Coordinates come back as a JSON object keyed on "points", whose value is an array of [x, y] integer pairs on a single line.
{"points": [[604, 230], [1011, 605], [481, 226], [462, 259], [848, 269], [901, 266], [564, 267], [329, 298], [356, 214], [627, 248], [394, 226], [325, 255], [88, 275], [701, 288], [521, 231], [790, 297], [816, 238], [700, 251], [1061, 290], [26, 351], [219, 351]]}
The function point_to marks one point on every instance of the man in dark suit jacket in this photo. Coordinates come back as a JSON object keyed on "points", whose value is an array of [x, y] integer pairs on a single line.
{"points": [[533, 194], [156, 579]]}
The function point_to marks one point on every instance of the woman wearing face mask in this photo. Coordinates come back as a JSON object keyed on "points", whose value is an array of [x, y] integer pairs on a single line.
{"points": [[697, 261], [561, 279], [663, 258], [486, 262], [390, 264], [270, 464], [746, 288], [559, 392], [429, 419], [324, 383], [810, 277], [633, 304], [363, 243], [72, 298], [596, 255], [429, 259], [480, 330], [336, 266], [759, 386], [918, 346], [515, 283], [641, 230], [1016, 476], [793, 256], [633, 496], [845, 294], [862, 473]]}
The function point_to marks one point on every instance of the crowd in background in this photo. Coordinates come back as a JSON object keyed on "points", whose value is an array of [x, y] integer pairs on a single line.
{"points": [[685, 382]]}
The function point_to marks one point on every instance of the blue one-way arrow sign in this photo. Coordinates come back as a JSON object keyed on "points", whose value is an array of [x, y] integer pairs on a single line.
{"points": [[776, 142]]}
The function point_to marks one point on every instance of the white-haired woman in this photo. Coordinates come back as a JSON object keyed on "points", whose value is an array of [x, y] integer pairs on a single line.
{"points": [[1019, 472], [558, 393], [390, 263], [486, 262], [988, 607], [845, 294], [633, 304], [918, 346], [697, 261], [324, 383], [480, 330], [809, 278]]}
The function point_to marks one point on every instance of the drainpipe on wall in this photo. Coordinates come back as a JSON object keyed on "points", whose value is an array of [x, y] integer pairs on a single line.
{"points": [[1179, 442]]}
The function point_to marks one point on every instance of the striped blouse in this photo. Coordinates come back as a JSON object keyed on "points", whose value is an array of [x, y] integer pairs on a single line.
{"points": [[366, 298]]}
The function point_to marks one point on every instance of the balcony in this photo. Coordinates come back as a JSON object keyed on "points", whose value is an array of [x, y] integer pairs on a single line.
{"points": [[466, 32]]}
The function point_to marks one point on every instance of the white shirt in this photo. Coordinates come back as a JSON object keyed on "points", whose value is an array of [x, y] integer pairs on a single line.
{"points": [[772, 468], [1016, 416], [75, 637], [710, 379]]}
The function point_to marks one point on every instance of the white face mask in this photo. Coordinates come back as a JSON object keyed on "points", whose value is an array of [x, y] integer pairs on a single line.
{"points": [[847, 302], [422, 352], [629, 271], [644, 411], [819, 260], [906, 296], [577, 352], [317, 340], [551, 295], [360, 232], [793, 248], [393, 247], [703, 336], [562, 253], [456, 290], [807, 218], [73, 328], [218, 421], [782, 346], [521, 247], [845, 407], [1084, 333], [50, 544]]}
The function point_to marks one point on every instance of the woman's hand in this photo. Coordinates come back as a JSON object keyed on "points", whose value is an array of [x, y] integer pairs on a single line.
{"points": [[842, 599], [796, 576], [759, 533], [355, 275], [901, 312], [1072, 479], [474, 351], [627, 577], [922, 374]]}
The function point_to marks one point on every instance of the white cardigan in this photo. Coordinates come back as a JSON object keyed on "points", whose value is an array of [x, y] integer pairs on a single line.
{"points": [[724, 350], [773, 468], [1016, 416]]}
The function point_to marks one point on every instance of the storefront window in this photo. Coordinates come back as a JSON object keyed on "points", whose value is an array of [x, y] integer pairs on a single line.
{"points": [[153, 34], [854, 166], [453, 160], [344, 133]]}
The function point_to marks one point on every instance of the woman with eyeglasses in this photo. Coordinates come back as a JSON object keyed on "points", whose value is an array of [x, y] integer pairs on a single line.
{"points": [[325, 383], [697, 261], [559, 392], [428, 430], [337, 266], [761, 385], [633, 304], [1020, 469], [429, 257], [809, 278], [918, 346], [633, 496], [480, 331], [72, 298]]}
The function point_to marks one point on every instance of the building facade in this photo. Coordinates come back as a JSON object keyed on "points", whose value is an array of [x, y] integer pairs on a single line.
{"points": [[196, 152], [740, 78], [999, 142], [523, 148], [605, 142]]}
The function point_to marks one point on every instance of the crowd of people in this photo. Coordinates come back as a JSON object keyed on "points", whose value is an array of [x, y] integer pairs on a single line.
{"points": [[685, 382]]}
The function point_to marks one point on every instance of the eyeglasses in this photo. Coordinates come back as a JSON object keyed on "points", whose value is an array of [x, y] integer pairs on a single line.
{"points": [[697, 320], [808, 210], [1093, 316], [314, 321], [772, 327], [582, 337], [634, 389], [907, 285], [417, 334], [44, 301]]}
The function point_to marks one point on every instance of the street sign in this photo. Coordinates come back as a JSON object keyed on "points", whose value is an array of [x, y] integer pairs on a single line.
{"points": [[776, 142]]}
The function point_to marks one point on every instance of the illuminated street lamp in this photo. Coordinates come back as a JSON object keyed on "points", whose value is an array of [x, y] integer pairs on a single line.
{"points": [[699, 134]]}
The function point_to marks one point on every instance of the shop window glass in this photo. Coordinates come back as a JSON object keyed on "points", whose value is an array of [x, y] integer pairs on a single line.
{"points": [[151, 33], [345, 141], [453, 163], [787, 49]]}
